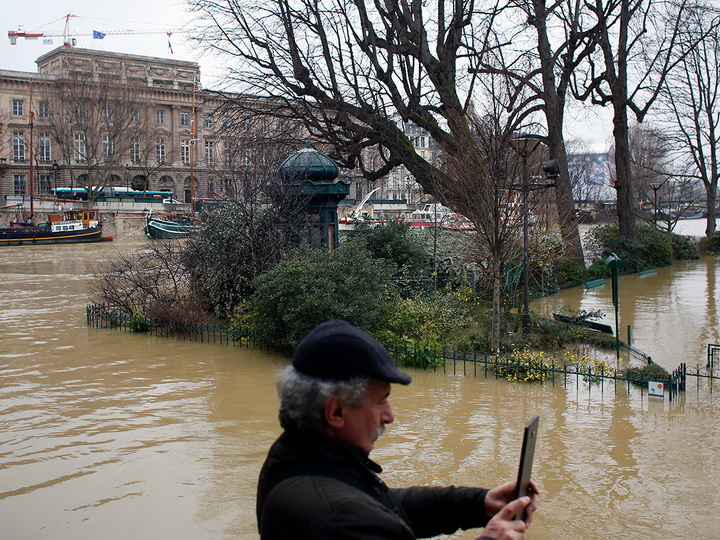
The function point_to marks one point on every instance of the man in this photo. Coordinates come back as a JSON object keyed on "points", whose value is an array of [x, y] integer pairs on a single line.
{"points": [[318, 481]]}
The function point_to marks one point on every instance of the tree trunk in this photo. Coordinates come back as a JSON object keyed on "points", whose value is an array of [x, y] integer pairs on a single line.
{"points": [[496, 314], [623, 175], [565, 204], [711, 191], [553, 96]]}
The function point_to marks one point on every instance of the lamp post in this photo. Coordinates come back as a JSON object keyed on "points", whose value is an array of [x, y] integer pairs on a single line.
{"points": [[655, 187], [56, 174], [525, 144]]}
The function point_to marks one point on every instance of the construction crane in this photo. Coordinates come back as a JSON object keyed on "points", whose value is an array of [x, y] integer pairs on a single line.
{"points": [[70, 41]]}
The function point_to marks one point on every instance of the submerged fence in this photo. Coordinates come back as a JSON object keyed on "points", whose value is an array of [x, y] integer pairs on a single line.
{"points": [[466, 362], [99, 316]]}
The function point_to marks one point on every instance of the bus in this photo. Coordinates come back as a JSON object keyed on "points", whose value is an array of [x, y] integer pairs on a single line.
{"points": [[112, 194]]}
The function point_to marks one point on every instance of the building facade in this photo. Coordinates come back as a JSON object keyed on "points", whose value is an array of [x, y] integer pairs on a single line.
{"points": [[95, 119], [128, 121]]}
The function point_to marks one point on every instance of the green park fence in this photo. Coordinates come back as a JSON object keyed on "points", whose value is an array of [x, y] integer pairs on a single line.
{"points": [[100, 316], [453, 362]]}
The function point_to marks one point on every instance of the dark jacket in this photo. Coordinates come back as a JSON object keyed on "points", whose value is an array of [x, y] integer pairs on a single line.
{"points": [[314, 486]]}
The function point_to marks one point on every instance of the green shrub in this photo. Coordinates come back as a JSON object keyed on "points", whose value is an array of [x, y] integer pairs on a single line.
{"points": [[395, 242], [652, 249], [139, 322], [683, 248], [650, 372], [312, 286], [568, 270], [598, 269], [431, 322], [522, 366]]}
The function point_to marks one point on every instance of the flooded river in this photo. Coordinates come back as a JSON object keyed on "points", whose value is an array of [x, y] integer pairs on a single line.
{"points": [[105, 434]]}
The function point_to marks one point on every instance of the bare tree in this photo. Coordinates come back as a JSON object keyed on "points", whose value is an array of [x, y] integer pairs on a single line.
{"points": [[496, 185], [638, 47], [690, 108], [152, 281], [545, 63], [582, 165], [650, 163], [252, 144], [356, 72], [90, 120]]}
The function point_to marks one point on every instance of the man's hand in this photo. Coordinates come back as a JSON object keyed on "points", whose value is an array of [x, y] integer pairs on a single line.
{"points": [[504, 526], [498, 498]]}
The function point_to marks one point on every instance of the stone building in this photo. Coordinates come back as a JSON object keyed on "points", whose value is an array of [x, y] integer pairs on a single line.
{"points": [[126, 121], [158, 122]]}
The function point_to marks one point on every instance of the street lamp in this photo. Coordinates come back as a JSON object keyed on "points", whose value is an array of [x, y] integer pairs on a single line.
{"points": [[655, 187], [56, 174], [525, 144]]}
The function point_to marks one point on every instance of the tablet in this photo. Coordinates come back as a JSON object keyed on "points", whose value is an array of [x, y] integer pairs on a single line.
{"points": [[526, 461]]}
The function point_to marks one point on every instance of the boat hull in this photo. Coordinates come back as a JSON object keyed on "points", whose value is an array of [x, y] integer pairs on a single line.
{"points": [[592, 325], [20, 236], [161, 229]]}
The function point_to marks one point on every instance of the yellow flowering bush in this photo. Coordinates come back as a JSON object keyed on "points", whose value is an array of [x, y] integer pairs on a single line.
{"points": [[522, 365]]}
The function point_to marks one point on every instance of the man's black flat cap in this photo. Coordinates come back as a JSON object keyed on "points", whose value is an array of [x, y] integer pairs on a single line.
{"points": [[336, 350]]}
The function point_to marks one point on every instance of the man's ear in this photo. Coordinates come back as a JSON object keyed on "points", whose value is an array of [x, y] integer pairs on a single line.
{"points": [[334, 413]]}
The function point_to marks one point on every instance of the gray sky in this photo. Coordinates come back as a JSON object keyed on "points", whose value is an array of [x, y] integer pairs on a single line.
{"points": [[139, 16]]}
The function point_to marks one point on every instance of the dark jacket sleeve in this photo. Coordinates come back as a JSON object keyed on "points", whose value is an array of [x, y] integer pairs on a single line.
{"points": [[433, 511]]}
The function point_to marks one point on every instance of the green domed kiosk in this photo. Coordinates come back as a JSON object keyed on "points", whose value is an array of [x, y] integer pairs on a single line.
{"points": [[312, 176]]}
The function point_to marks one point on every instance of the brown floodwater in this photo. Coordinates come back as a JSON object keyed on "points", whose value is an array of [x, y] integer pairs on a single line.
{"points": [[106, 434]]}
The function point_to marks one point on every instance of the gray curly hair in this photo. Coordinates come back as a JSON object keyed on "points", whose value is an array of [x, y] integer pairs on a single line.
{"points": [[303, 398]]}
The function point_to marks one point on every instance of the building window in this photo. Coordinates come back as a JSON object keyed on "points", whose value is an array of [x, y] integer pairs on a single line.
{"points": [[45, 183], [209, 122], [44, 109], [135, 150], [44, 149], [209, 152], [80, 150], [185, 151], [135, 114], [184, 118], [107, 112], [79, 111], [108, 146], [19, 184], [211, 187], [160, 116], [160, 149], [18, 146], [264, 126], [18, 108]]}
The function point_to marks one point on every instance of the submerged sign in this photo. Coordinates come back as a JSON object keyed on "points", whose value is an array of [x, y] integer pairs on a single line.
{"points": [[656, 389]]}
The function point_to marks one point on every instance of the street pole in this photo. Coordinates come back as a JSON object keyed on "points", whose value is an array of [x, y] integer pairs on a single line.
{"points": [[655, 188], [525, 144], [526, 272], [615, 264]]}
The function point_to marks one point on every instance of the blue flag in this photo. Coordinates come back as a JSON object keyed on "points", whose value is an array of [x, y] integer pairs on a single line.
{"points": [[98, 35]]}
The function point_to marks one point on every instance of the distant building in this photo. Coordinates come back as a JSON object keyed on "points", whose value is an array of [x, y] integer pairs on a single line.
{"points": [[163, 106], [171, 127], [591, 178]]}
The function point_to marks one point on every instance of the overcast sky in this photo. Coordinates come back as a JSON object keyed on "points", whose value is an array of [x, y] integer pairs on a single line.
{"points": [[140, 16], [143, 16]]}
